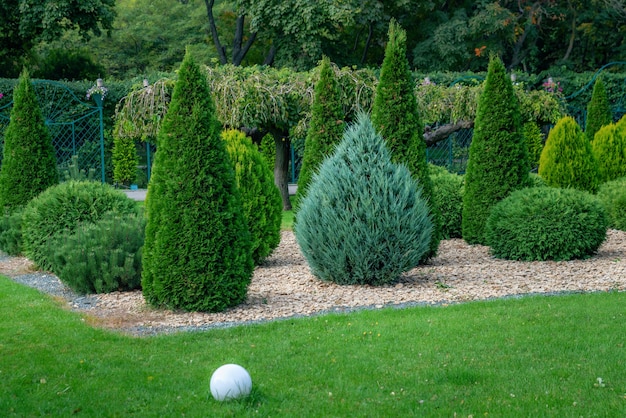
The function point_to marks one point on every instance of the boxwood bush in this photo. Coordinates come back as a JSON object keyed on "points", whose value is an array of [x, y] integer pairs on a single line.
{"points": [[62, 208], [613, 197], [544, 223], [100, 257], [363, 220]]}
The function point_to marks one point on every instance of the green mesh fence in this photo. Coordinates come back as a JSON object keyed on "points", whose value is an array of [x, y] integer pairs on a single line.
{"points": [[452, 152]]}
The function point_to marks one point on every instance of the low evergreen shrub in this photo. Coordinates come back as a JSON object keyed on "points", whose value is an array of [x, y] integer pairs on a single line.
{"points": [[537, 181], [545, 223], [100, 257], [262, 204], [11, 232], [363, 220], [567, 160], [62, 208], [609, 150], [448, 198], [613, 197]]}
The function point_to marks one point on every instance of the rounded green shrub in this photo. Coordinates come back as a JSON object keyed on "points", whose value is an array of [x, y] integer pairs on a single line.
{"points": [[613, 197], [498, 156], [100, 257], [395, 115], [609, 150], [448, 198], [363, 220], [11, 232], [62, 208], [545, 223], [567, 160], [28, 165], [537, 181], [197, 253], [262, 205]]}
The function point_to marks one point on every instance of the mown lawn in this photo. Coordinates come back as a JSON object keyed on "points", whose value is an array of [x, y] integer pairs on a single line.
{"points": [[560, 356]]}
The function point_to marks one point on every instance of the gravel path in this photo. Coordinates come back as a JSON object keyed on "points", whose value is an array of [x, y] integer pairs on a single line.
{"points": [[283, 287]]}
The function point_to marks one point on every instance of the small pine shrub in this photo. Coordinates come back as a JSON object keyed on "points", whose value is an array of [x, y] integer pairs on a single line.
{"points": [[363, 220], [534, 141], [29, 165], [325, 130], [545, 223], [100, 257], [448, 198], [395, 115], [609, 150], [11, 232], [498, 156], [567, 160], [612, 194], [598, 110], [197, 253], [262, 205], [62, 208]]}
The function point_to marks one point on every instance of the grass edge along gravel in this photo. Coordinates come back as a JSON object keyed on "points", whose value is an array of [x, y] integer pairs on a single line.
{"points": [[532, 356]]}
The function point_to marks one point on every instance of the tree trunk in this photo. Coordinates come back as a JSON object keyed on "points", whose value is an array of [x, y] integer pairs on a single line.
{"points": [[269, 58], [281, 165], [221, 51], [572, 37], [239, 52], [367, 43], [431, 137]]}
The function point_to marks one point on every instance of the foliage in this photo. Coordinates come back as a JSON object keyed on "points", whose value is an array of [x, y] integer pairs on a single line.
{"points": [[363, 220], [498, 161], [27, 22], [599, 111], [11, 232], [62, 208], [536, 224], [395, 115], [125, 160], [609, 150], [197, 252], [448, 198], [260, 198], [325, 128], [613, 197], [268, 150], [537, 181], [100, 257], [28, 164], [534, 142], [72, 171], [567, 159], [73, 64]]}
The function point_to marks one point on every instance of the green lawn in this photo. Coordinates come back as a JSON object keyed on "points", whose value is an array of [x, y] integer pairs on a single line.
{"points": [[535, 356], [287, 221]]}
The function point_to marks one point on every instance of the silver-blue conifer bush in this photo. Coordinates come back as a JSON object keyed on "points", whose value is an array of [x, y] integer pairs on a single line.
{"points": [[363, 220]]}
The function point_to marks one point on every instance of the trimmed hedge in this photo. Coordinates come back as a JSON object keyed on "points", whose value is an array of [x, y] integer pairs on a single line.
{"points": [[62, 208], [363, 220], [545, 223], [613, 197], [11, 232]]}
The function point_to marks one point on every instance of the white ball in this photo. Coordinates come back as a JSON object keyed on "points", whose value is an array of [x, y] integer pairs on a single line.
{"points": [[230, 381]]}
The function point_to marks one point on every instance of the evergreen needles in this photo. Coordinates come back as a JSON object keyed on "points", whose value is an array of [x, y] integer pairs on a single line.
{"points": [[197, 253]]}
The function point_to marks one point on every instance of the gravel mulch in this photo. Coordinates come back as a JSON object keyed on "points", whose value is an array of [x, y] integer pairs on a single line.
{"points": [[283, 287]]}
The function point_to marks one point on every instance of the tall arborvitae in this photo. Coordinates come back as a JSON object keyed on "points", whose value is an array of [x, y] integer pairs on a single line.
{"points": [[396, 117], [498, 159], [326, 127], [598, 110], [567, 159], [29, 166], [197, 252]]}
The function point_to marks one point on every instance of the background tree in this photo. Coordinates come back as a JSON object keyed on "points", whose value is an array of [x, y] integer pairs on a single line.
{"points": [[567, 159], [28, 166], [197, 253], [599, 111], [24, 23], [396, 117], [325, 129], [498, 158]]}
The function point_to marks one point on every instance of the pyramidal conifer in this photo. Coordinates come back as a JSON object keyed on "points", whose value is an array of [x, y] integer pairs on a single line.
{"points": [[598, 110], [197, 251]]}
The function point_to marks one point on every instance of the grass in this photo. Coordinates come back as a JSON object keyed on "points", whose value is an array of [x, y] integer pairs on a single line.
{"points": [[534, 356], [287, 221]]}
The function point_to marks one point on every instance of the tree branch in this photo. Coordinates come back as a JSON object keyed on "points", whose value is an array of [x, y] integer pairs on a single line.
{"points": [[431, 136], [239, 52]]}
